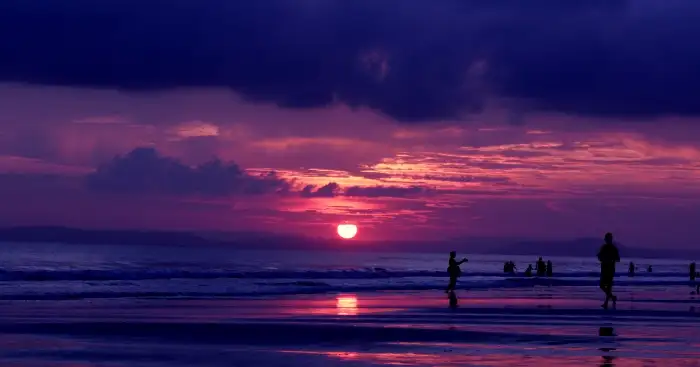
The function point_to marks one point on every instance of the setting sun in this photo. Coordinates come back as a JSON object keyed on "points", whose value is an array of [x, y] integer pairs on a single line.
{"points": [[347, 231]]}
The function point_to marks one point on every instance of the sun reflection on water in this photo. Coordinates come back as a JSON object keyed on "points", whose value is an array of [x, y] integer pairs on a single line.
{"points": [[346, 305]]}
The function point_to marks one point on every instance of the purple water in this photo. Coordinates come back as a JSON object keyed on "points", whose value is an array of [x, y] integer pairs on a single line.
{"points": [[59, 271], [119, 306]]}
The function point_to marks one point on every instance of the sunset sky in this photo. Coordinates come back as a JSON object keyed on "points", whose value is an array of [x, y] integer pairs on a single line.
{"points": [[414, 119]]}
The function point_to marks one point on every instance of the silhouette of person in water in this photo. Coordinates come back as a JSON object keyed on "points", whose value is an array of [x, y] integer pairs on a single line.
{"points": [[454, 271], [549, 268], [528, 271], [509, 267], [608, 256], [693, 274], [649, 270], [630, 271], [541, 267]]}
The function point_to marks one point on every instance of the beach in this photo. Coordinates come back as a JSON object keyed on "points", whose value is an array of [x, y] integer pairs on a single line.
{"points": [[523, 327], [405, 320]]}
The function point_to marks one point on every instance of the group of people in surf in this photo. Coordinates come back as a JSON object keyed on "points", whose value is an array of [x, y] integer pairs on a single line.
{"points": [[633, 268], [608, 257], [541, 268]]}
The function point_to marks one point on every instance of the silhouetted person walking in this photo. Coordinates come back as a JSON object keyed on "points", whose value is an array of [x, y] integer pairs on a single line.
{"points": [[454, 271], [528, 271], [540, 267], [608, 256], [549, 268]]}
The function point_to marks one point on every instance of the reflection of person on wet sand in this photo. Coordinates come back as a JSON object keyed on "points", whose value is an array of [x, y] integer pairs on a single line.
{"points": [[608, 256], [452, 296], [454, 271], [608, 361], [607, 331]]}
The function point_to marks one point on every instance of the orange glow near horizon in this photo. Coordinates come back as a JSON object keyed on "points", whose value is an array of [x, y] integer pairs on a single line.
{"points": [[347, 231], [346, 305]]}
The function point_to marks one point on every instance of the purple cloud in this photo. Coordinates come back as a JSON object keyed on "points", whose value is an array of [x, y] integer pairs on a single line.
{"points": [[143, 170], [387, 191], [327, 191]]}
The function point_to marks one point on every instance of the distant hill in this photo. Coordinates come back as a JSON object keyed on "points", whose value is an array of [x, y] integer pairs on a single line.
{"points": [[587, 247], [582, 247], [105, 237]]}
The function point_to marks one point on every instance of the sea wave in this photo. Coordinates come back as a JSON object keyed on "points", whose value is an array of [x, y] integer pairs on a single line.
{"points": [[358, 273], [262, 289]]}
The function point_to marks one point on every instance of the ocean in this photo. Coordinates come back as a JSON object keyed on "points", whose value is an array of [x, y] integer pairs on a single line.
{"points": [[92, 305]]}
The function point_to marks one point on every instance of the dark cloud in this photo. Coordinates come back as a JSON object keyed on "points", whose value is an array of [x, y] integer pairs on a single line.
{"points": [[327, 191], [413, 60], [333, 189], [387, 191], [143, 170]]}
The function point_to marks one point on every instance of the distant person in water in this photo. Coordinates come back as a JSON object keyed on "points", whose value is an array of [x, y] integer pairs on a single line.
{"points": [[528, 271], [549, 268], [630, 270], [649, 269], [608, 256], [509, 267], [454, 271], [693, 273], [541, 267]]}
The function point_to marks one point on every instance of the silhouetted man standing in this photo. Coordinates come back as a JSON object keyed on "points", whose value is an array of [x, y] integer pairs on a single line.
{"points": [[608, 256], [454, 271]]}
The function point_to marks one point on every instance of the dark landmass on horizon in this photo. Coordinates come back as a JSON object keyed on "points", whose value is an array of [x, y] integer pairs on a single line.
{"points": [[582, 247]]}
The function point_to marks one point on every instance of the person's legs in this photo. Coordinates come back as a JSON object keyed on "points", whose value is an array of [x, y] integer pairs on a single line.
{"points": [[606, 286], [453, 283], [612, 296]]}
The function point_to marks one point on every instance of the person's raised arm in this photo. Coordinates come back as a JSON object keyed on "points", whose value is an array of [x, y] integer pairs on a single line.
{"points": [[462, 261], [617, 255]]}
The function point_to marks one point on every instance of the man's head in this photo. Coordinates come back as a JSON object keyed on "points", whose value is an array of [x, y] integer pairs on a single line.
{"points": [[453, 254], [608, 238]]}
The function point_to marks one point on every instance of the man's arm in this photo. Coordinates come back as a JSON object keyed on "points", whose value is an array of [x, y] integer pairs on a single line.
{"points": [[462, 261]]}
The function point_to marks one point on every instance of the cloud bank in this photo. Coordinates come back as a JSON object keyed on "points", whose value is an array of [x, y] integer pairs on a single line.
{"points": [[412, 60], [144, 170]]}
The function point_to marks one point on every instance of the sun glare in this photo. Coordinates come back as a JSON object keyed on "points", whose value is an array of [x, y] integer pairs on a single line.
{"points": [[347, 231], [346, 305]]}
